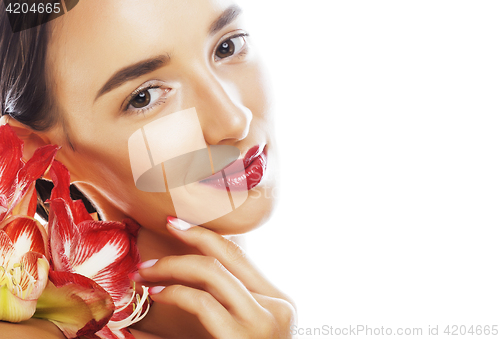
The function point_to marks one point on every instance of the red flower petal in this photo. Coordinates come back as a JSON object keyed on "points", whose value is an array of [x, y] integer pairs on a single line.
{"points": [[11, 152], [37, 165], [79, 212], [33, 170], [27, 204], [38, 270], [106, 253], [27, 234], [99, 247], [132, 227], [61, 178], [76, 304], [114, 279], [106, 333], [15, 176], [6, 248], [62, 233]]}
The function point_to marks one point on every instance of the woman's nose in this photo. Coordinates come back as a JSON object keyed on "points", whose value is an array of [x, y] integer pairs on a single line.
{"points": [[223, 117]]}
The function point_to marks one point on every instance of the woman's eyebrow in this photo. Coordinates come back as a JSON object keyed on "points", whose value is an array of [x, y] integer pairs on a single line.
{"points": [[144, 67], [228, 16], [131, 72]]}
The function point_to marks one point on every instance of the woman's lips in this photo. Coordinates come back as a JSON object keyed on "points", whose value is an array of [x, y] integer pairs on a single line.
{"points": [[234, 178]]}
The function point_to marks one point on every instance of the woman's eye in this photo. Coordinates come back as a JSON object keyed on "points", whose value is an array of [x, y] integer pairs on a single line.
{"points": [[231, 46], [145, 97]]}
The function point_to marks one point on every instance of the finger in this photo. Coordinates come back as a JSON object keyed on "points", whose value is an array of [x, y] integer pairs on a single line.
{"points": [[208, 274], [232, 256], [283, 311], [212, 315]]}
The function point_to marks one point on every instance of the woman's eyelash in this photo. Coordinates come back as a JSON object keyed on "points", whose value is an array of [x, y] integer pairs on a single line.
{"points": [[140, 90], [128, 103], [242, 52], [133, 96], [150, 107], [238, 36]]}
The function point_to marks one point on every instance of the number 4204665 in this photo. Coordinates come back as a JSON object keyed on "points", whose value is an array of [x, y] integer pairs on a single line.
{"points": [[471, 330], [18, 8]]}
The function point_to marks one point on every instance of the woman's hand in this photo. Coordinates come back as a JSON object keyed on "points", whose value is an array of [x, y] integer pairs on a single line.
{"points": [[29, 329], [221, 287]]}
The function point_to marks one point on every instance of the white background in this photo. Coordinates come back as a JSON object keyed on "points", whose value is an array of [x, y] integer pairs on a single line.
{"points": [[389, 140]]}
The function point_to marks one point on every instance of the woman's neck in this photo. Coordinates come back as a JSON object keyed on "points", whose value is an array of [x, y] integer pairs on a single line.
{"points": [[152, 243]]}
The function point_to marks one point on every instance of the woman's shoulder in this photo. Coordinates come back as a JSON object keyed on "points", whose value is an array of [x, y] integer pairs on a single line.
{"points": [[30, 329]]}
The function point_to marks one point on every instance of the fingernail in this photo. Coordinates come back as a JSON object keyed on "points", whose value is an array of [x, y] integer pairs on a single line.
{"points": [[156, 289], [147, 264], [179, 224], [135, 276]]}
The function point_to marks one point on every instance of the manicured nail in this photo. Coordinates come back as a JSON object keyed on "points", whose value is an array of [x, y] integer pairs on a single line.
{"points": [[147, 264], [135, 276], [156, 289], [179, 224]]}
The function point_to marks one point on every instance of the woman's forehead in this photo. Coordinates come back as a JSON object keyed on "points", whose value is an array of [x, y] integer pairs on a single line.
{"points": [[97, 38], [125, 25], [101, 15]]}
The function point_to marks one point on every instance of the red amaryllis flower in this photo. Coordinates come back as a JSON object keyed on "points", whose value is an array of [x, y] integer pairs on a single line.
{"points": [[103, 251], [23, 240], [81, 250], [23, 268], [76, 304], [17, 178]]}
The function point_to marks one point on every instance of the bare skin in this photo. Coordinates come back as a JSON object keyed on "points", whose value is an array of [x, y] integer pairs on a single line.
{"points": [[212, 290]]}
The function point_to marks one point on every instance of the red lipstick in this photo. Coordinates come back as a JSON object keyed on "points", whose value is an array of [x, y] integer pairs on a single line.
{"points": [[254, 164]]}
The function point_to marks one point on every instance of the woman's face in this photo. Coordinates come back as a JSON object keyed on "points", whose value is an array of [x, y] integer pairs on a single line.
{"points": [[117, 65]]}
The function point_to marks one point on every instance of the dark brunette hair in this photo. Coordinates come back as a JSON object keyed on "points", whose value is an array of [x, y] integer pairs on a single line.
{"points": [[24, 87]]}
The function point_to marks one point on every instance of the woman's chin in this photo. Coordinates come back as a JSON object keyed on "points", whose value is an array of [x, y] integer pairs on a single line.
{"points": [[253, 213]]}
